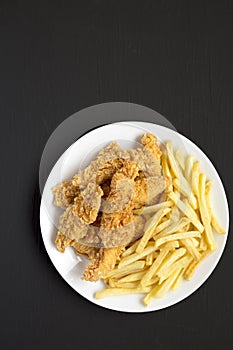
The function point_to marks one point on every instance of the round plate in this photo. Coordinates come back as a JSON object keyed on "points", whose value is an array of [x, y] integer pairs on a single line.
{"points": [[70, 266]]}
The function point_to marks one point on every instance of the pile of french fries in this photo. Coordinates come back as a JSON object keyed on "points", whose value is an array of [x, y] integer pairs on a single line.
{"points": [[178, 234]]}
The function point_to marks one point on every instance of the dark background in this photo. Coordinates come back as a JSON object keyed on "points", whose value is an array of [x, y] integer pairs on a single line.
{"points": [[57, 57]]}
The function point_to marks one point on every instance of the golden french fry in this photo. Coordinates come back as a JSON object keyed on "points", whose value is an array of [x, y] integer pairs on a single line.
{"points": [[176, 236], [154, 208], [183, 187], [171, 159], [195, 177], [130, 250], [149, 259], [181, 263], [194, 264], [162, 226], [214, 222], [178, 280], [134, 267], [204, 213], [136, 256], [150, 228], [130, 285], [174, 227], [203, 245], [108, 292], [188, 211], [158, 261], [179, 156], [155, 219], [166, 285], [137, 276], [188, 244], [188, 168], [166, 171], [174, 256], [194, 240]]}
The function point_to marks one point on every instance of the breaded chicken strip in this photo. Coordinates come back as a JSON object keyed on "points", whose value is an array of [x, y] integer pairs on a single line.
{"points": [[64, 193], [147, 190], [62, 242], [71, 225], [150, 142], [93, 171], [117, 208], [87, 203], [102, 264]]}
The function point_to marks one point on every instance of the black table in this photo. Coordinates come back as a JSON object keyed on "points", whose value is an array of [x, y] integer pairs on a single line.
{"points": [[58, 57]]}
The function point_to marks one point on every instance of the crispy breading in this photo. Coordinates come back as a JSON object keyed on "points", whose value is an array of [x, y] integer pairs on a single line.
{"points": [[122, 235], [150, 142], [108, 155], [87, 203], [147, 189], [71, 225], [64, 193], [102, 264], [118, 206], [62, 242]]}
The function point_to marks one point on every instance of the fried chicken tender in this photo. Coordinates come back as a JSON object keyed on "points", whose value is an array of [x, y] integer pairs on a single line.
{"points": [[102, 263], [150, 142], [64, 193], [71, 225], [105, 163], [62, 242], [87, 203], [147, 190], [118, 206]]}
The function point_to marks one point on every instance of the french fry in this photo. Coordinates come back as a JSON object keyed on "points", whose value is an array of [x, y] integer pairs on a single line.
{"points": [[117, 284], [134, 267], [188, 211], [171, 159], [176, 236], [188, 168], [154, 208], [150, 228], [188, 244], [205, 214], [179, 156], [158, 261], [183, 187], [174, 256], [181, 263], [193, 266], [137, 276], [195, 177], [136, 256], [194, 240], [149, 259], [130, 250], [174, 227], [162, 226], [155, 219], [178, 279], [166, 171], [203, 244], [109, 292], [214, 222], [166, 285]]}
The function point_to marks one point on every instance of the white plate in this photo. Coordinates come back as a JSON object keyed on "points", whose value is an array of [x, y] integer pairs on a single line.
{"points": [[79, 154]]}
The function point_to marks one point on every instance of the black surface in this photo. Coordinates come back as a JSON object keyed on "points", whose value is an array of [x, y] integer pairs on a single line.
{"points": [[60, 56]]}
